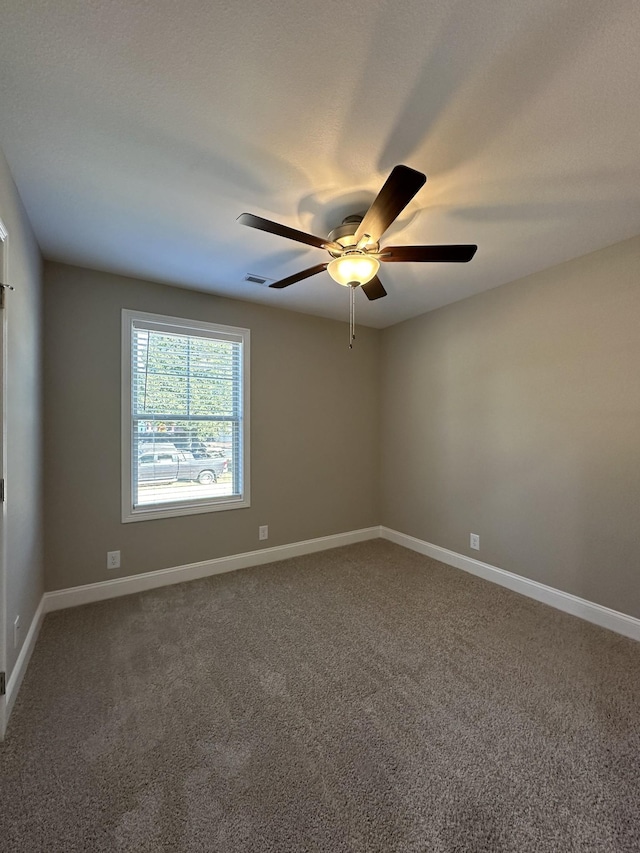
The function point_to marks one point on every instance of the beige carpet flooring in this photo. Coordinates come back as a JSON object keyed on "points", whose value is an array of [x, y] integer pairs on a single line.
{"points": [[361, 699]]}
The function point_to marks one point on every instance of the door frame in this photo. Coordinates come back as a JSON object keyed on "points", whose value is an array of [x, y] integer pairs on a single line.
{"points": [[4, 280]]}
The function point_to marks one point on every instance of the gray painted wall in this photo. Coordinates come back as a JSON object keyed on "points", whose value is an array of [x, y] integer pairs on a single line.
{"points": [[23, 529], [314, 430], [515, 414]]}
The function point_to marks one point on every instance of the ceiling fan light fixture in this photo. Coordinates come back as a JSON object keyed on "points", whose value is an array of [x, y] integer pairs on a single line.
{"points": [[353, 267]]}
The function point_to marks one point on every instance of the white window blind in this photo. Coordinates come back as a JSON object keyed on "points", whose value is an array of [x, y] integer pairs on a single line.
{"points": [[186, 416]]}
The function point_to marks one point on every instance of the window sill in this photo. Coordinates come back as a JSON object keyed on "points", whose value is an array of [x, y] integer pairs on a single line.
{"points": [[177, 510]]}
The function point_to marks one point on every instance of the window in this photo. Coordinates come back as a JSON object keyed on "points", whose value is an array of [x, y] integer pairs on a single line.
{"points": [[185, 417]]}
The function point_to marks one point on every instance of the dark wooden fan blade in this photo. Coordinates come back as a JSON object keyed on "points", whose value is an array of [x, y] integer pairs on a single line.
{"points": [[447, 254], [299, 276], [399, 188], [373, 289], [284, 231]]}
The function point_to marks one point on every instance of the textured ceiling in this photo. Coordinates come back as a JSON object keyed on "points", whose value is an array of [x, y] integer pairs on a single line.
{"points": [[138, 130]]}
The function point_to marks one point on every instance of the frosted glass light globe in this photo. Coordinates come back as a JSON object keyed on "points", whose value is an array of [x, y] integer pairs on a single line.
{"points": [[353, 267]]}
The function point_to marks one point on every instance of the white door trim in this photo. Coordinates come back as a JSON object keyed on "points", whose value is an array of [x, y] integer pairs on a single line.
{"points": [[4, 279]]}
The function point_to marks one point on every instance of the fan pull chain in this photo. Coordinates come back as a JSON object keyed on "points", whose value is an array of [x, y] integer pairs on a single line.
{"points": [[352, 316]]}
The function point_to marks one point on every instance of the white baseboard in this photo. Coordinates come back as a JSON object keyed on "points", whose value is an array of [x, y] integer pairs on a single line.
{"points": [[621, 623], [17, 674], [62, 598]]}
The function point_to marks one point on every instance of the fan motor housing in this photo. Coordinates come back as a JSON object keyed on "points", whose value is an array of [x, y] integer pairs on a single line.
{"points": [[345, 234]]}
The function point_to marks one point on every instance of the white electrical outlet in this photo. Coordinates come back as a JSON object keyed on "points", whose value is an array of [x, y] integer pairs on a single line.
{"points": [[113, 559], [16, 632], [474, 541], [263, 531]]}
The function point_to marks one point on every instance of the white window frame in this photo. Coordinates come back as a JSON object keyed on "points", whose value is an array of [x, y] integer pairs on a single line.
{"points": [[181, 326]]}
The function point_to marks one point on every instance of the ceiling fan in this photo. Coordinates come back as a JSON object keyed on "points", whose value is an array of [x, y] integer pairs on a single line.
{"points": [[354, 246]]}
